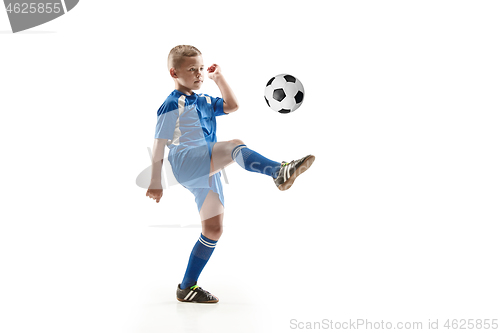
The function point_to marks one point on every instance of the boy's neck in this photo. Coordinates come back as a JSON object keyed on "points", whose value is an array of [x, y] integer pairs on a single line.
{"points": [[184, 90]]}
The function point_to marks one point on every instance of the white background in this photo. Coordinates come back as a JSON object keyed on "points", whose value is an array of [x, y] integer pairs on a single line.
{"points": [[397, 220]]}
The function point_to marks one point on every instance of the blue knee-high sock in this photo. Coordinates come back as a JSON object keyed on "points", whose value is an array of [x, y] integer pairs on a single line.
{"points": [[202, 251], [253, 161]]}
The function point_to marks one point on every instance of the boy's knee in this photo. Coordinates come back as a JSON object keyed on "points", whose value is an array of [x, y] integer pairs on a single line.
{"points": [[218, 233], [213, 233], [237, 142]]}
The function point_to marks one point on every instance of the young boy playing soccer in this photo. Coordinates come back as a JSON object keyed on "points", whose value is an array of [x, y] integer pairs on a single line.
{"points": [[186, 124]]}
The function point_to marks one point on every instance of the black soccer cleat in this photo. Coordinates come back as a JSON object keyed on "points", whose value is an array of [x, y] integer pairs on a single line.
{"points": [[289, 171], [195, 294]]}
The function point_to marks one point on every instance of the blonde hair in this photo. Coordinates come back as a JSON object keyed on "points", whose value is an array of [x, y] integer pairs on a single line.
{"points": [[179, 52]]}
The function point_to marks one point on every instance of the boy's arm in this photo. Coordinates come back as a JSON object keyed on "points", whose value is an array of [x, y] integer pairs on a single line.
{"points": [[157, 163], [155, 191], [230, 101]]}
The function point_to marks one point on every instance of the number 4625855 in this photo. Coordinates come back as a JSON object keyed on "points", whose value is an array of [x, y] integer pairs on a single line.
{"points": [[32, 8]]}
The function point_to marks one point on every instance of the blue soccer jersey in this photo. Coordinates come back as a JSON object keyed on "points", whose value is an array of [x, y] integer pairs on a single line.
{"points": [[188, 124], [188, 120]]}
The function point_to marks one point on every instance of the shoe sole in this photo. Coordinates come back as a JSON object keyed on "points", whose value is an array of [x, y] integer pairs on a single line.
{"points": [[183, 300], [303, 167]]}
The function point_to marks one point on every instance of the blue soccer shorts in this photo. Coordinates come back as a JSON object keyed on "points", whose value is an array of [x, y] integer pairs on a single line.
{"points": [[191, 168]]}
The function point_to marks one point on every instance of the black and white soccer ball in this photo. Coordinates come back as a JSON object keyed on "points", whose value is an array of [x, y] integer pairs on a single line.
{"points": [[284, 93]]}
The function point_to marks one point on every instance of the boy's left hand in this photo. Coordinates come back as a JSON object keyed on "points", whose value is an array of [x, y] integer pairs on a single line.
{"points": [[214, 71]]}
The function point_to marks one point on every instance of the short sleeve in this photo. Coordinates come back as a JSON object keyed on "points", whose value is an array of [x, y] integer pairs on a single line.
{"points": [[168, 114], [218, 104]]}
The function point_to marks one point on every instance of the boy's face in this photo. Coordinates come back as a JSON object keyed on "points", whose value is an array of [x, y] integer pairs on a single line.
{"points": [[189, 76]]}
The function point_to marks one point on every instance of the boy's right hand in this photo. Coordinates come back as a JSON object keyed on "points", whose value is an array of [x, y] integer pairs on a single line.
{"points": [[155, 194]]}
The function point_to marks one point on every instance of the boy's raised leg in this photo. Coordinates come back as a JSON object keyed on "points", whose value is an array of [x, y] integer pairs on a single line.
{"points": [[284, 174], [225, 153]]}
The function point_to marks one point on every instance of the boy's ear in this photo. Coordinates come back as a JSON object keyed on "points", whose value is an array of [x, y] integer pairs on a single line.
{"points": [[172, 73]]}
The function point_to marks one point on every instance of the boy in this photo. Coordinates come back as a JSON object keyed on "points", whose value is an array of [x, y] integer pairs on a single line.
{"points": [[186, 124]]}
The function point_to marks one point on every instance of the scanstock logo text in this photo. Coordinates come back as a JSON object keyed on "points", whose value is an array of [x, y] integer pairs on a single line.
{"points": [[26, 14]]}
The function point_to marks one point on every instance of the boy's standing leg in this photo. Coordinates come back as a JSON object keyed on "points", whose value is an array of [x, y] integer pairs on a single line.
{"points": [[211, 214]]}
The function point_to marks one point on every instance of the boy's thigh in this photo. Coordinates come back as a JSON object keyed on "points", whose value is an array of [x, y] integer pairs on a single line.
{"points": [[211, 207]]}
